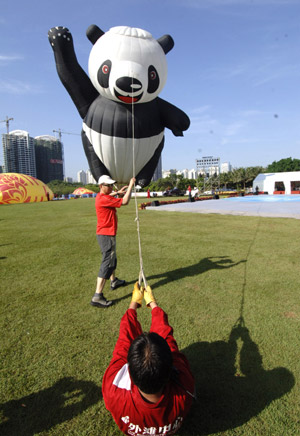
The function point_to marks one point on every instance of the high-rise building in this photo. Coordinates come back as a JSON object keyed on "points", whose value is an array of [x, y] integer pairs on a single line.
{"points": [[208, 165], [89, 177], [158, 171], [167, 173], [49, 158], [225, 167], [18, 153], [81, 177], [192, 174]]}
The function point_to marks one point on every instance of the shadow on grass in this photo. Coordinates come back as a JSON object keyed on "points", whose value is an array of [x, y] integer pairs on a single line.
{"points": [[206, 264], [43, 410], [232, 385]]}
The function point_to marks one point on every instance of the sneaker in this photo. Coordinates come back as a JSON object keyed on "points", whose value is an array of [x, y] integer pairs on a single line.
{"points": [[117, 283], [100, 301]]}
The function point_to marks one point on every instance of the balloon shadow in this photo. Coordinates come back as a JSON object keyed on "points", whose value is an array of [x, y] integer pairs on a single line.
{"points": [[43, 410], [232, 385], [206, 264]]}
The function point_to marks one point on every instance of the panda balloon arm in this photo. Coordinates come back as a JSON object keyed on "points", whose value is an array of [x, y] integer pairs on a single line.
{"points": [[72, 76], [173, 118]]}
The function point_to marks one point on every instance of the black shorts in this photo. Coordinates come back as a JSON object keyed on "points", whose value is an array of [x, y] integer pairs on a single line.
{"points": [[109, 256]]}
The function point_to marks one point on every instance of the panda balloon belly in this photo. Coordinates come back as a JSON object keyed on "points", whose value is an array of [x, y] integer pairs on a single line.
{"points": [[109, 127]]}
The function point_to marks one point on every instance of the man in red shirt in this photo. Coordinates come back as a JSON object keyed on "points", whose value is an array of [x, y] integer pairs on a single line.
{"points": [[148, 386], [107, 223]]}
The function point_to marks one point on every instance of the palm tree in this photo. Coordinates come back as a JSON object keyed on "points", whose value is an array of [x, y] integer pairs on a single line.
{"points": [[236, 177], [225, 179]]}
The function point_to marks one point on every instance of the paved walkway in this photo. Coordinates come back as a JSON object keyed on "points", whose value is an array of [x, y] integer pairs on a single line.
{"points": [[280, 206]]}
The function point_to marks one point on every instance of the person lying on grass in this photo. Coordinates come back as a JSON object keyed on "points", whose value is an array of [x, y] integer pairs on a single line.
{"points": [[148, 386]]}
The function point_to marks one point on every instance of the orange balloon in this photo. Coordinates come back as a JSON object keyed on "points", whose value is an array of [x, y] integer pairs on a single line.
{"points": [[21, 188]]}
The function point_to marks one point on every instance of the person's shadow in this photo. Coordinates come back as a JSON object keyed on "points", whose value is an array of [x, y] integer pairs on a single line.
{"points": [[43, 410], [205, 264], [232, 385]]}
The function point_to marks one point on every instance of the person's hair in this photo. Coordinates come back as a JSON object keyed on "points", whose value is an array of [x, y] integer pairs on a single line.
{"points": [[150, 362]]}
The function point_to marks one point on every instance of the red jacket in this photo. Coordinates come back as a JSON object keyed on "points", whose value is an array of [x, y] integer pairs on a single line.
{"points": [[133, 415], [107, 221]]}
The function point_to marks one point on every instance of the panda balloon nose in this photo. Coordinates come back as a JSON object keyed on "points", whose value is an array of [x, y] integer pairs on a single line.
{"points": [[129, 84]]}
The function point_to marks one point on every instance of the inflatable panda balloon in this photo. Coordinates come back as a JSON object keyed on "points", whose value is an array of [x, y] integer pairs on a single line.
{"points": [[123, 117]]}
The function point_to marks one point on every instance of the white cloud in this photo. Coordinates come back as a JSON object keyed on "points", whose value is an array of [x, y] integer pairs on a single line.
{"points": [[6, 59], [18, 87], [200, 110], [207, 4]]}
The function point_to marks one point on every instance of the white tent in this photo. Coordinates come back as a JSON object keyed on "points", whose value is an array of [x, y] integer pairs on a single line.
{"points": [[278, 183]]}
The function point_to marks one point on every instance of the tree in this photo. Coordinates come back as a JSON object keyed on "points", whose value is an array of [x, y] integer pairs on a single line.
{"points": [[59, 187], [225, 179], [284, 165]]}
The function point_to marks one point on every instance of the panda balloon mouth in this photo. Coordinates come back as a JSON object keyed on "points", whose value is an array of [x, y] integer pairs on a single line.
{"points": [[127, 98]]}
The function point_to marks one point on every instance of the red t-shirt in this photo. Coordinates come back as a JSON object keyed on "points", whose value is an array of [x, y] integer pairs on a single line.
{"points": [[107, 222], [133, 415]]}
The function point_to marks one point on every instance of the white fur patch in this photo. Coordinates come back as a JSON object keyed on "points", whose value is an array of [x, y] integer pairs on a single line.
{"points": [[117, 153]]}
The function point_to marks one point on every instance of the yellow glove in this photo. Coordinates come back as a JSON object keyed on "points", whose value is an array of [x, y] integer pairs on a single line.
{"points": [[137, 294], [148, 296]]}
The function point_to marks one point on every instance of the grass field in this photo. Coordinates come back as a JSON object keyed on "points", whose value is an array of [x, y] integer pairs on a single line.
{"points": [[230, 285]]}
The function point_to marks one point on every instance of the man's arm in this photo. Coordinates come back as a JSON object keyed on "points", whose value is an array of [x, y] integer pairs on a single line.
{"points": [[130, 328], [127, 195], [159, 324]]}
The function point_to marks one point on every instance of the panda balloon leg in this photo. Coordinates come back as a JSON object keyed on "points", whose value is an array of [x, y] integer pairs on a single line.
{"points": [[143, 178], [97, 167]]}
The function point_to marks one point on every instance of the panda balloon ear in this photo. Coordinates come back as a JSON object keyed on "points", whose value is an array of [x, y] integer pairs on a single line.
{"points": [[94, 33], [166, 42]]}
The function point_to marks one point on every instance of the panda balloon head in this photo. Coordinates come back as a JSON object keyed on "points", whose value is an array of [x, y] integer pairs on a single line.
{"points": [[128, 65]]}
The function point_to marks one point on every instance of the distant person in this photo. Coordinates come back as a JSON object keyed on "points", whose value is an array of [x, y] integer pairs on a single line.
{"points": [[190, 192], [107, 223], [148, 193], [148, 386]]}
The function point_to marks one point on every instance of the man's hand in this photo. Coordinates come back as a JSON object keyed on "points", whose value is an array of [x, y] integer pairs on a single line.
{"points": [[131, 183], [122, 191], [137, 296], [149, 297]]}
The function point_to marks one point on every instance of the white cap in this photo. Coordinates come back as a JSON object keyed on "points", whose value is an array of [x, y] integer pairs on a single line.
{"points": [[106, 180]]}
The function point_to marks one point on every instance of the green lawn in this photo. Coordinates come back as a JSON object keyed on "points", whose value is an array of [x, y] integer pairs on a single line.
{"points": [[230, 285]]}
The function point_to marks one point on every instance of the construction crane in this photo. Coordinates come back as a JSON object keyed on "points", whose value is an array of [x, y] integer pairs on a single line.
{"points": [[60, 132], [6, 121]]}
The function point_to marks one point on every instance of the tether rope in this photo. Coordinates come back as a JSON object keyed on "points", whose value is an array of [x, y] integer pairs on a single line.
{"points": [[141, 273]]}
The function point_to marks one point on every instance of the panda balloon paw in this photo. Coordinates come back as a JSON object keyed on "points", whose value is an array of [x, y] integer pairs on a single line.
{"points": [[59, 37], [123, 117]]}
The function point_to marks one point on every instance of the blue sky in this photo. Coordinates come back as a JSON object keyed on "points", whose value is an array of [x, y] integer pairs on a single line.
{"points": [[235, 70]]}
